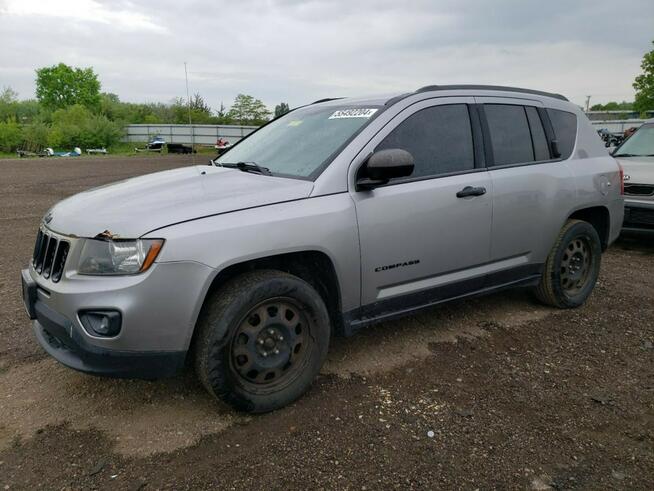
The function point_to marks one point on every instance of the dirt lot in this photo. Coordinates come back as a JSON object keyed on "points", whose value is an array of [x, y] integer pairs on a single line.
{"points": [[496, 392]]}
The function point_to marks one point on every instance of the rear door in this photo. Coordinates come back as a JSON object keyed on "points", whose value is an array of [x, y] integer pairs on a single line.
{"points": [[529, 183], [416, 235]]}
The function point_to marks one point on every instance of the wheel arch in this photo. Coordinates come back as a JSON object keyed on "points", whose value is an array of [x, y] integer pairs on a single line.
{"points": [[599, 217], [313, 266]]}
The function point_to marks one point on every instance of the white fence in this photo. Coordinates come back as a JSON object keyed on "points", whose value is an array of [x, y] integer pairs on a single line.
{"points": [[617, 125], [207, 134], [198, 134]]}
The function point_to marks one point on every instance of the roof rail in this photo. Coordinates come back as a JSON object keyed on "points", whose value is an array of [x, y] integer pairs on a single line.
{"points": [[397, 98], [326, 100], [430, 88]]}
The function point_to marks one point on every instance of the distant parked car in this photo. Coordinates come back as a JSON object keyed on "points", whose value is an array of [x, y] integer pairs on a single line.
{"points": [[179, 148], [636, 155], [156, 144]]}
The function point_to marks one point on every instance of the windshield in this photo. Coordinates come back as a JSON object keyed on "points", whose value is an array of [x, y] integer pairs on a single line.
{"points": [[641, 143], [301, 142]]}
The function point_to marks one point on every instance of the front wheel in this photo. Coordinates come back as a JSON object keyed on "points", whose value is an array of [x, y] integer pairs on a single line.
{"points": [[572, 267], [262, 339]]}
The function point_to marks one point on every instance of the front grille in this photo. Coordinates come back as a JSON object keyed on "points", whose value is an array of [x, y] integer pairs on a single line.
{"points": [[639, 217], [639, 189], [49, 256]]}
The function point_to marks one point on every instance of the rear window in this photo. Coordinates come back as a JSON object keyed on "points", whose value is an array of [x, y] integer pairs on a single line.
{"points": [[565, 130], [509, 133]]}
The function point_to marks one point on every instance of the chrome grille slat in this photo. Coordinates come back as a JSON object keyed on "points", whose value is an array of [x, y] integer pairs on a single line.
{"points": [[50, 254], [38, 264], [37, 246], [639, 189], [60, 260]]}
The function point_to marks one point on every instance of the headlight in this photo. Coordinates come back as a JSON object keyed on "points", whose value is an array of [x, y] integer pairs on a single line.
{"points": [[116, 257]]}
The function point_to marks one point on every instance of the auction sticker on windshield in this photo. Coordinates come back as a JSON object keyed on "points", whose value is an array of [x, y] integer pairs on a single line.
{"points": [[353, 113]]}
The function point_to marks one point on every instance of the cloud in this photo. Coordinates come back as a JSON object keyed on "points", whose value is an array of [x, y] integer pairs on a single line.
{"points": [[299, 51], [82, 11]]}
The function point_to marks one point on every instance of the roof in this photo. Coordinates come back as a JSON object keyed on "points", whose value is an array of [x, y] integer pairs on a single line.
{"points": [[430, 88], [393, 98]]}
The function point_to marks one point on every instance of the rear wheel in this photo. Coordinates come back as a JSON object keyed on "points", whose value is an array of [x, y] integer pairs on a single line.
{"points": [[572, 267], [262, 340]]}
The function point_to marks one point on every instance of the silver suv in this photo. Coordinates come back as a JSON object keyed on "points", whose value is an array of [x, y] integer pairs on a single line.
{"points": [[340, 214]]}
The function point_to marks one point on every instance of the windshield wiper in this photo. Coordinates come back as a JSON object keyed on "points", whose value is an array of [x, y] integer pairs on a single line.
{"points": [[247, 167], [625, 155]]}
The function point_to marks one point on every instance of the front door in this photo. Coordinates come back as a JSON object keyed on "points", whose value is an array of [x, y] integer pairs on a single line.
{"points": [[421, 237]]}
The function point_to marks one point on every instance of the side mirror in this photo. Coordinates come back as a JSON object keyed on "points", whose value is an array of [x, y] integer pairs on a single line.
{"points": [[383, 166]]}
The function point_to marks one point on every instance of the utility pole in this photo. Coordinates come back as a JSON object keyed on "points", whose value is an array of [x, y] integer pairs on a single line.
{"points": [[188, 100], [587, 103]]}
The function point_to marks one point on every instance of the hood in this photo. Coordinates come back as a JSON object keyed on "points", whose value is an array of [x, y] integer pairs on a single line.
{"points": [[640, 170], [139, 205]]}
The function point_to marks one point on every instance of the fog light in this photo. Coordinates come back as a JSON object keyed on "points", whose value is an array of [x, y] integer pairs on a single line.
{"points": [[104, 323]]}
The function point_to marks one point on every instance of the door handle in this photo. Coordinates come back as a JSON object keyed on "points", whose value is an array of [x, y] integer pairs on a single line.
{"points": [[471, 191]]}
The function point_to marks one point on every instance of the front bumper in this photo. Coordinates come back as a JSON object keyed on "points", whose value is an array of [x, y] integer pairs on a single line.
{"points": [[638, 216], [158, 308], [56, 336]]}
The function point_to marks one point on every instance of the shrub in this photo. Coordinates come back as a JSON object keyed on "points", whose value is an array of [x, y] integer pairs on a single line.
{"points": [[76, 126], [35, 135], [100, 132], [11, 136]]}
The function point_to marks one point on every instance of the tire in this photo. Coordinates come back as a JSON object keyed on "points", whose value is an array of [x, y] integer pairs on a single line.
{"points": [[572, 267], [261, 323]]}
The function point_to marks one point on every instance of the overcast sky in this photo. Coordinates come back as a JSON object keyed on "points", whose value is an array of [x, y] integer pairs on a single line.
{"points": [[299, 51]]}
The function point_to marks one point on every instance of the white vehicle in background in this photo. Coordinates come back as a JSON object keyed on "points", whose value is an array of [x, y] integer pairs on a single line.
{"points": [[636, 155]]}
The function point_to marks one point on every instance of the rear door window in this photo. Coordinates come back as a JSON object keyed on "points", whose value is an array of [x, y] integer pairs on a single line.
{"points": [[509, 134], [438, 137], [565, 130], [538, 138]]}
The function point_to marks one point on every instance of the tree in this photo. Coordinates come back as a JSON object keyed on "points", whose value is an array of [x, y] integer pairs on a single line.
{"points": [[644, 84], [281, 109], [200, 111], [221, 112], [198, 104], [248, 110], [8, 105], [613, 106], [61, 86], [8, 96]]}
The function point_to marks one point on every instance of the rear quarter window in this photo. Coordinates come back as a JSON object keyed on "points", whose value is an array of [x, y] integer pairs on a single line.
{"points": [[565, 130]]}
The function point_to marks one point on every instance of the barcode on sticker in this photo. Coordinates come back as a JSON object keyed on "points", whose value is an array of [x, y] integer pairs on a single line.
{"points": [[353, 113]]}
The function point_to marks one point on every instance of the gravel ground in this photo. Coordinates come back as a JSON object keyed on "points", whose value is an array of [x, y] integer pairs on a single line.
{"points": [[497, 392]]}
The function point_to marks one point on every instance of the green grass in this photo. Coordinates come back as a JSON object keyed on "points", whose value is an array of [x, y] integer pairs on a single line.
{"points": [[124, 149]]}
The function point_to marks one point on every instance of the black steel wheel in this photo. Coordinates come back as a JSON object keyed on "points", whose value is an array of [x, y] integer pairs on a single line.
{"points": [[572, 267], [576, 265], [262, 338], [270, 345]]}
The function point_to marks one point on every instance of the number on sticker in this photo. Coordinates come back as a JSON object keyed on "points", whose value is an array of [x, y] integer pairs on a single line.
{"points": [[353, 113]]}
